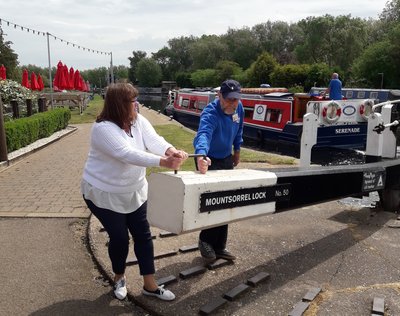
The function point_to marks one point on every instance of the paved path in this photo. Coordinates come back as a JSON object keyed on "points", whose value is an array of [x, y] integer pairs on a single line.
{"points": [[46, 183]]}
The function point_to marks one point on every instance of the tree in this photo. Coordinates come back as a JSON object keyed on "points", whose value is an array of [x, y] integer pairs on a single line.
{"points": [[243, 46], [391, 12], [137, 56], [8, 58], [279, 39], [336, 41], [204, 78], [261, 70], [226, 69], [148, 73], [208, 51], [381, 58], [163, 57], [290, 75]]}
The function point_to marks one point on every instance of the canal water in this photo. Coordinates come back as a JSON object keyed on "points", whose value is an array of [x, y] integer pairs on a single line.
{"points": [[156, 102]]}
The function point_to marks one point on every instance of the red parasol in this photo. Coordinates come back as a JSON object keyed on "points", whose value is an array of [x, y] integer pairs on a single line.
{"points": [[77, 81], [71, 78], [40, 82], [25, 79], [59, 79], [3, 73], [66, 77], [34, 83]]}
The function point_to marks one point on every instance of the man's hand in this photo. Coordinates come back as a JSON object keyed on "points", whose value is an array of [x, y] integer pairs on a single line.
{"points": [[236, 158], [202, 164]]}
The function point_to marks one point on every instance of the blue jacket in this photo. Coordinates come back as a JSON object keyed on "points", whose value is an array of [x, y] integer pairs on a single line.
{"points": [[335, 89], [218, 132]]}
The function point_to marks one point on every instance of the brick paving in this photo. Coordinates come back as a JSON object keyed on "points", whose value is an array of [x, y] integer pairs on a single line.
{"points": [[46, 183]]}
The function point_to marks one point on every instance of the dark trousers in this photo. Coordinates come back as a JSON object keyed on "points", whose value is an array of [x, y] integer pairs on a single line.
{"points": [[217, 236], [117, 226]]}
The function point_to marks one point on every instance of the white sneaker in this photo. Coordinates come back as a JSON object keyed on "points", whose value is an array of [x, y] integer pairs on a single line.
{"points": [[160, 293], [120, 290]]}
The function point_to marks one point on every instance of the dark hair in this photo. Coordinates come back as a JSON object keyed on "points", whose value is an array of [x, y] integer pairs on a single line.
{"points": [[118, 105]]}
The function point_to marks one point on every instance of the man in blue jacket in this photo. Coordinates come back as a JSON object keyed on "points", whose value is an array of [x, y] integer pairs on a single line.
{"points": [[220, 131], [335, 88]]}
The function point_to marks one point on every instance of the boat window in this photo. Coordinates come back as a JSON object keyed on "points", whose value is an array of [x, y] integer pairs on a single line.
{"points": [[185, 103], [201, 105], [373, 95], [192, 104], [248, 112], [361, 95], [273, 115], [349, 94]]}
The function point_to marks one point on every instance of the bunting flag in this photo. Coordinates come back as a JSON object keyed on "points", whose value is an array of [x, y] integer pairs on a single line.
{"points": [[36, 32]]}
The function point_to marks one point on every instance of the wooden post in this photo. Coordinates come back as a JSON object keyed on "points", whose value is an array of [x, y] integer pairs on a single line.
{"points": [[15, 108], [42, 104], [28, 107], [3, 143]]}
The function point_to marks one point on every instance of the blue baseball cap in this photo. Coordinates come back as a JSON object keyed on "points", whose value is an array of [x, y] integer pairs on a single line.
{"points": [[230, 89]]}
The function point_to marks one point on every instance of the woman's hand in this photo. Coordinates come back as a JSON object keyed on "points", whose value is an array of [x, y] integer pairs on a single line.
{"points": [[171, 162], [203, 163], [172, 151]]}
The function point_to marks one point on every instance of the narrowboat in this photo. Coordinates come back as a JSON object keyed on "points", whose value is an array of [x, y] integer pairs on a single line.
{"points": [[274, 115]]}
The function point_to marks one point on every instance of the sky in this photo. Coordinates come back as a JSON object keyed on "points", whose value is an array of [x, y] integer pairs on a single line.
{"points": [[117, 27]]}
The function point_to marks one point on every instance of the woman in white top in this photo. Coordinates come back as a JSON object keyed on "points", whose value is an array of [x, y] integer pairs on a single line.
{"points": [[114, 187]]}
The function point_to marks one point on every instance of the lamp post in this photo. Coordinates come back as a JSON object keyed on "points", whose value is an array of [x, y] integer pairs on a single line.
{"points": [[381, 74]]}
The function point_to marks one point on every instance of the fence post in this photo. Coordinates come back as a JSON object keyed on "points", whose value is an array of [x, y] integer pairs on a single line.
{"points": [[42, 104], [15, 108], [28, 107], [3, 143]]}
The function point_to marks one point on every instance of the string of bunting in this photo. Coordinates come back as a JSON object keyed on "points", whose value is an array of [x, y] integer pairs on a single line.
{"points": [[24, 28]]}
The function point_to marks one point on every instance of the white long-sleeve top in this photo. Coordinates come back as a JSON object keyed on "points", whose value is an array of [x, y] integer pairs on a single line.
{"points": [[114, 176]]}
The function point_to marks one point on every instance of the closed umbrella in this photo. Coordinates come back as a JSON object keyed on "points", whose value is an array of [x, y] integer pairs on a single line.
{"points": [[77, 81], [71, 78], [40, 82], [34, 83], [25, 79], [66, 76], [3, 73], [59, 79]]}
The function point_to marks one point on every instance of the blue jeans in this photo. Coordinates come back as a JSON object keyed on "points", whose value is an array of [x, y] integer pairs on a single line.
{"points": [[117, 226]]}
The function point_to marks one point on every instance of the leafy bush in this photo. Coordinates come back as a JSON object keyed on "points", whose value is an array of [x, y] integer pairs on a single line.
{"points": [[24, 131], [12, 90]]}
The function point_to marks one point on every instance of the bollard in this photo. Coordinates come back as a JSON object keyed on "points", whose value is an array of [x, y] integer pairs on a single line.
{"points": [[308, 139], [42, 104], [28, 107], [15, 108]]}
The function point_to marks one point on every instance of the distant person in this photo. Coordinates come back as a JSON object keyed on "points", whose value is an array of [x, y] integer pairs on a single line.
{"points": [[114, 187], [220, 131], [335, 88]]}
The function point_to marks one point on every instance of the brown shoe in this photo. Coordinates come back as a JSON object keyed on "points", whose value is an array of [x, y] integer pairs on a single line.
{"points": [[224, 254]]}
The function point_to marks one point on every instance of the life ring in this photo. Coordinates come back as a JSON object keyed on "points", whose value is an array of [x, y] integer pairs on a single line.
{"points": [[331, 112], [366, 109]]}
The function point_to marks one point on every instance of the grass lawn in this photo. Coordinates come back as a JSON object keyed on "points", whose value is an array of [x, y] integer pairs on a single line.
{"points": [[179, 137]]}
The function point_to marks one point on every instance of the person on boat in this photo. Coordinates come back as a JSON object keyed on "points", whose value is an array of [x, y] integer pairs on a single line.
{"points": [[220, 130], [335, 88], [114, 187]]}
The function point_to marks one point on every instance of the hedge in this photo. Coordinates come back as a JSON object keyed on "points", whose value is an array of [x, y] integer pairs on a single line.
{"points": [[24, 131]]}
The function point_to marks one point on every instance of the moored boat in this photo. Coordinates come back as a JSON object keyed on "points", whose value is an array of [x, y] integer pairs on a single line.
{"points": [[276, 115]]}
